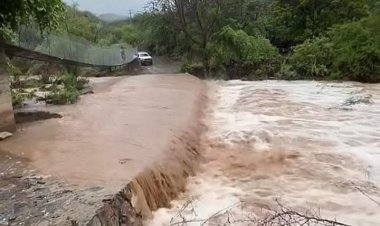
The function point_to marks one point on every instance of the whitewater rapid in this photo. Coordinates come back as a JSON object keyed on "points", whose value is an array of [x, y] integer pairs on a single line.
{"points": [[309, 146]]}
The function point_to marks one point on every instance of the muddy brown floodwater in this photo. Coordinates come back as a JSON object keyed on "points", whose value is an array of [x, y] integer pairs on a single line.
{"points": [[310, 146], [132, 129], [102, 139], [313, 147]]}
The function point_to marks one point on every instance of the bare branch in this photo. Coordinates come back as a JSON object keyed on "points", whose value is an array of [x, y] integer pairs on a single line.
{"points": [[365, 194], [220, 211], [283, 216]]}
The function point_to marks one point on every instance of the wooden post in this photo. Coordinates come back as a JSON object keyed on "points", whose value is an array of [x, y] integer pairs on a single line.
{"points": [[7, 121]]}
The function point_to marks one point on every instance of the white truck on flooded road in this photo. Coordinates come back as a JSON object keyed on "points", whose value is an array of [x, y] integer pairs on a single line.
{"points": [[144, 58]]}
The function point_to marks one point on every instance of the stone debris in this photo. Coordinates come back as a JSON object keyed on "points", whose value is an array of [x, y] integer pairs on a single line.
{"points": [[27, 198], [5, 135]]}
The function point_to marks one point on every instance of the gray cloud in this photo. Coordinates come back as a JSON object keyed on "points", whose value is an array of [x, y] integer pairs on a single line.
{"points": [[120, 7]]}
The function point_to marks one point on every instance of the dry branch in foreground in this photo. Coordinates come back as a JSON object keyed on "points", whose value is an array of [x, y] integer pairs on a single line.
{"points": [[281, 217]]}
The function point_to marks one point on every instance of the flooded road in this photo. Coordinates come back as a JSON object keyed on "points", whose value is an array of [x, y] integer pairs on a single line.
{"points": [[116, 155], [310, 146], [112, 135]]}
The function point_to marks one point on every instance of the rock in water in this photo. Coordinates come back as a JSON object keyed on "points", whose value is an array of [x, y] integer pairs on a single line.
{"points": [[5, 135]]}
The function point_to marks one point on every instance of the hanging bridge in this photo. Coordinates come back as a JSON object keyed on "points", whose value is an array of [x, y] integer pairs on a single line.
{"points": [[66, 49]]}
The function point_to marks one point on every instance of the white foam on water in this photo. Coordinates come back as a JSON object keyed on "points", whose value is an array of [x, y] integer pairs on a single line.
{"points": [[299, 142]]}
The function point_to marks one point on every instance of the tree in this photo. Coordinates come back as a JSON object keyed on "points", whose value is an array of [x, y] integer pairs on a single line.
{"points": [[349, 51], [248, 15], [125, 34], [233, 35], [45, 13], [14, 13], [356, 51], [196, 19], [160, 36], [298, 20], [242, 54], [82, 24]]}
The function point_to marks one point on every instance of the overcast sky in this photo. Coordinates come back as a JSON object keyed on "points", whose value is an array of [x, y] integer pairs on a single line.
{"points": [[120, 7]]}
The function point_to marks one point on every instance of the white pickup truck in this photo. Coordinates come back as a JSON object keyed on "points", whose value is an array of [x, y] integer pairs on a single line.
{"points": [[144, 58]]}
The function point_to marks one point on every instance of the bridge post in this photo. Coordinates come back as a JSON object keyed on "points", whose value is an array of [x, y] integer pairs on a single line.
{"points": [[7, 121]]}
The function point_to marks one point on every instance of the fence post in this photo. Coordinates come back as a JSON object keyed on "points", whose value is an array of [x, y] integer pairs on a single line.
{"points": [[48, 39]]}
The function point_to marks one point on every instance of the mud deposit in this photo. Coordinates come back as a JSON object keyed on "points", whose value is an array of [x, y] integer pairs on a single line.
{"points": [[29, 198], [306, 146], [24, 117]]}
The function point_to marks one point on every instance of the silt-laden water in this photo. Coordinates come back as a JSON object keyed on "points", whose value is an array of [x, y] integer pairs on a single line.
{"points": [[313, 147]]}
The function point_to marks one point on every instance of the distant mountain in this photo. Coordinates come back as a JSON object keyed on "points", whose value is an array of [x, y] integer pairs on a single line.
{"points": [[110, 17]]}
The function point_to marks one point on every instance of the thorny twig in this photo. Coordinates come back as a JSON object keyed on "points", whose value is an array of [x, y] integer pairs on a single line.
{"points": [[181, 210], [283, 217], [219, 212], [365, 194]]}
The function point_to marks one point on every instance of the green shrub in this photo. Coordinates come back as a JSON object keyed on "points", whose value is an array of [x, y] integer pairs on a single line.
{"points": [[267, 69], [17, 99], [348, 52], [64, 96], [82, 83], [286, 72], [13, 70], [20, 95], [356, 52], [313, 58], [196, 69], [25, 83], [70, 92], [70, 80], [45, 78], [243, 56]]}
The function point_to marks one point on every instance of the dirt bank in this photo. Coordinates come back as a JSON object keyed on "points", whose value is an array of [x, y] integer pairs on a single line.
{"points": [[139, 130]]}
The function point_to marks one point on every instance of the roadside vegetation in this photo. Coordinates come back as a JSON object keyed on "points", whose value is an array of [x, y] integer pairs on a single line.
{"points": [[223, 39], [240, 39], [60, 88], [30, 22], [261, 39]]}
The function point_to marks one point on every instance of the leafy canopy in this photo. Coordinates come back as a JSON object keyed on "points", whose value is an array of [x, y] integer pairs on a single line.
{"points": [[46, 13], [299, 20], [348, 51], [237, 46], [82, 24]]}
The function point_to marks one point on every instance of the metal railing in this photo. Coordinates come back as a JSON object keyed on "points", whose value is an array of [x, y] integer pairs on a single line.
{"points": [[73, 49]]}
